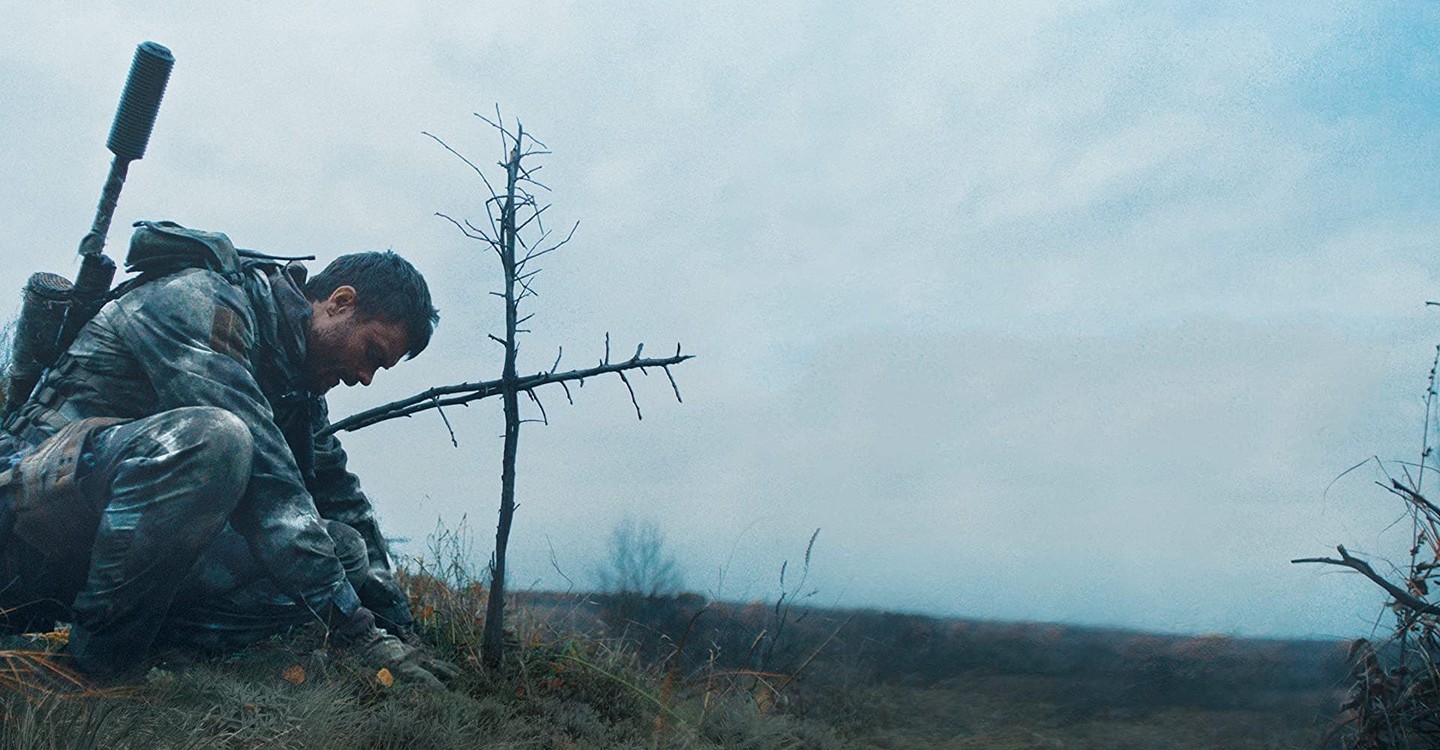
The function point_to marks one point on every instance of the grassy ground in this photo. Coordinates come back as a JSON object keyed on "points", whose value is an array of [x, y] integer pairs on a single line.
{"points": [[579, 692], [288, 695], [576, 677]]}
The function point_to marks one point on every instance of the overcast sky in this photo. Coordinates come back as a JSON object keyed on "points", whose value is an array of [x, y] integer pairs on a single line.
{"points": [[1038, 314]]}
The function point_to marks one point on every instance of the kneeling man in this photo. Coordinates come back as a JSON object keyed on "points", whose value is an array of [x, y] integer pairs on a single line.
{"points": [[166, 485]]}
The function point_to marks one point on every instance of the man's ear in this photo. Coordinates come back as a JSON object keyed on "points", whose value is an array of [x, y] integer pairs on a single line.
{"points": [[340, 300]]}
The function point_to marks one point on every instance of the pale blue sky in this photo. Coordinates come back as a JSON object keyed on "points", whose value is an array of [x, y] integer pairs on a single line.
{"points": [[1039, 314]]}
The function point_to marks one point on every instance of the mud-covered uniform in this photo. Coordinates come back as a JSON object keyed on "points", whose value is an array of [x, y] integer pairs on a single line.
{"points": [[212, 502]]}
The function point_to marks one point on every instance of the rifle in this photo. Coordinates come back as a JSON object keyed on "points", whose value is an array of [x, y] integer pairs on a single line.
{"points": [[54, 309]]}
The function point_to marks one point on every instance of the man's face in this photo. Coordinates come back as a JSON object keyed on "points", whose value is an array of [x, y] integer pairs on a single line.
{"points": [[343, 346]]}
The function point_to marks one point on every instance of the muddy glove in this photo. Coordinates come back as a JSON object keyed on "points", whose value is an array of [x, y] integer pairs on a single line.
{"points": [[352, 628], [409, 635], [406, 663]]}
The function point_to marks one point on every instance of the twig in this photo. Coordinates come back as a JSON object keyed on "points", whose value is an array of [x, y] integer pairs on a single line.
{"points": [[626, 381], [446, 420], [556, 246], [544, 418], [1412, 496], [673, 387], [796, 673], [463, 230], [555, 563], [458, 155]]}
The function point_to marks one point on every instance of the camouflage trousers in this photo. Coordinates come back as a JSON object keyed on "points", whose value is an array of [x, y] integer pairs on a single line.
{"points": [[121, 529]]}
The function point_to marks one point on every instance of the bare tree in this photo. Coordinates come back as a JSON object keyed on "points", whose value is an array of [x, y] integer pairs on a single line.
{"points": [[638, 564], [514, 229]]}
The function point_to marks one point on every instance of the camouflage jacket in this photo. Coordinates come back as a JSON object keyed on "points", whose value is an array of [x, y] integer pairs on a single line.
{"points": [[196, 339]]}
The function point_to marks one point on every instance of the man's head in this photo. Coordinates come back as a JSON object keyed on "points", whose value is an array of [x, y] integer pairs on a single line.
{"points": [[370, 310]]}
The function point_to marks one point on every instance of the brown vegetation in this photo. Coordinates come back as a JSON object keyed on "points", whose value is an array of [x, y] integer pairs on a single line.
{"points": [[1394, 697]]}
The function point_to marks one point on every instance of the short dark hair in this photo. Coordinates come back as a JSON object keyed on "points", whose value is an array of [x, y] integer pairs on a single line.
{"points": [[386, 287]]}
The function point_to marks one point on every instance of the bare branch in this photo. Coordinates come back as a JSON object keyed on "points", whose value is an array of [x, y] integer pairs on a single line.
{"points": [[523, 244], [1401, 596], [1412, 496], [462, 229], [461, 156], [538, 241], [557, 245], [535, 140], [525, 288], [504, 146], [457, 154], [533, 217], [481, 232], [462, 393], [526, 174]]}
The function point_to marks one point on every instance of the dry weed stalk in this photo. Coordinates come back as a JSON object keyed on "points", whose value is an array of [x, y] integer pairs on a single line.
{"points": [[1394, 699]]}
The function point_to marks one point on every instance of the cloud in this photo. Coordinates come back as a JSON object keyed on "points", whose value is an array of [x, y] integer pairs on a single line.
{"points": [[1039, 311]]}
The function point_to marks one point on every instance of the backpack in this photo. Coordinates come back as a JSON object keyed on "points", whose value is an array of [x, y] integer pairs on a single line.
{"points": [[161, 248], [157, 249]]}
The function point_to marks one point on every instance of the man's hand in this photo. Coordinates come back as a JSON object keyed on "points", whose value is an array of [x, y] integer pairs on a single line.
{"points": [[407, 663]]}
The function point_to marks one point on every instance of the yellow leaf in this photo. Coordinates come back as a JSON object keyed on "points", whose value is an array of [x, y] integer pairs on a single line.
{"points": [[294, 674], [764, 700], [426, 613], [384, 677], [54, 639]]}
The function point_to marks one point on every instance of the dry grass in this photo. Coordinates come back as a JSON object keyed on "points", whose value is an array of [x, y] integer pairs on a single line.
{"points": [[570, 690]]}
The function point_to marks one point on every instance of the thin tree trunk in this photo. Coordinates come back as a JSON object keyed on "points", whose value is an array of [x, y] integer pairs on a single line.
{"points": [[492, 647]]}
